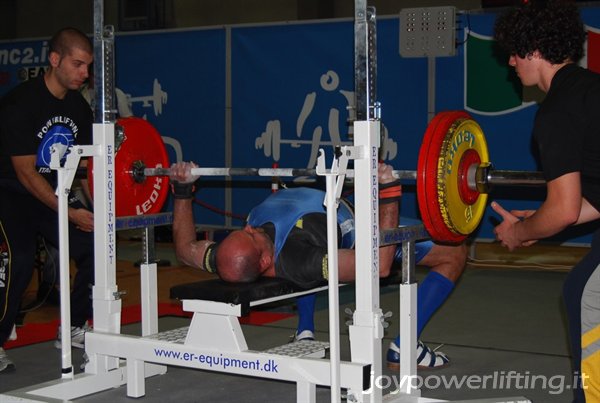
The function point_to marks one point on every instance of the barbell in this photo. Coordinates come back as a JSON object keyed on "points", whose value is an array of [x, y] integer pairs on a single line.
{"points": [[454, 174]]}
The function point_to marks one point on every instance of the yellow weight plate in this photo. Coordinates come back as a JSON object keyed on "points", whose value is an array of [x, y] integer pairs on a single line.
{"points": [[462, 218]]}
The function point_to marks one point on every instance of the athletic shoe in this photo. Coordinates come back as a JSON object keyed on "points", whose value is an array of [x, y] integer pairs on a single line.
{"points": [[13, 333], [77, 336], [5, 363], [426, 357], [305, 335]]}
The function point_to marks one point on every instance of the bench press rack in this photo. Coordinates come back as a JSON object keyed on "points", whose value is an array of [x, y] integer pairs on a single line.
{"points": [[214, 335], [214, 339]]}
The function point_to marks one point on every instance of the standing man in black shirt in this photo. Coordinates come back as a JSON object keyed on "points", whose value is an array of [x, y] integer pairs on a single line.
{"points": [[34, 116], [544, 40]]}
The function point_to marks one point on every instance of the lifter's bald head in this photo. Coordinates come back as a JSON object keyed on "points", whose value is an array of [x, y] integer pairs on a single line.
{"points": [[238, 258]]}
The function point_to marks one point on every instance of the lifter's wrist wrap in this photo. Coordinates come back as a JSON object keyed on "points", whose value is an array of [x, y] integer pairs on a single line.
{"points": [[390, 192], [182, 190]]}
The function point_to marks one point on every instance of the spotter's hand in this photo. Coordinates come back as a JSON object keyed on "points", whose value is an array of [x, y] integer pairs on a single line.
{"points": [[82, 218], [506, 231]]}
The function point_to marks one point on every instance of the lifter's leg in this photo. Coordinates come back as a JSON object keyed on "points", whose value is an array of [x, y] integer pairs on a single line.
{"points": [[447, 263], [306, 320]]}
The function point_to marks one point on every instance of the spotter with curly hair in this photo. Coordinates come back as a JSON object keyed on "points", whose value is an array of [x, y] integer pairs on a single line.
{"points": [[545, 40]]}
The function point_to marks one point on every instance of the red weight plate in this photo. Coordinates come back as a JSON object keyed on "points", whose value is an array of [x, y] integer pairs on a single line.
{"points": [[469, 158], [422, 170], [427, 186], [427, 166], [142, 147]]}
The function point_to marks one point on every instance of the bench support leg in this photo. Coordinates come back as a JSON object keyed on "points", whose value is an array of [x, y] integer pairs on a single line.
{"points": [[220, 332]]}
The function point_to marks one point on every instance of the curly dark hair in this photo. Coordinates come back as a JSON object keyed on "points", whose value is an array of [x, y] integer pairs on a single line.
{"points": [[552, 27]]}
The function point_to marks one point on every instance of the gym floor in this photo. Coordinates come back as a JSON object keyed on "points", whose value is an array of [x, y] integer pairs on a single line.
{"points": [[503, 328]]}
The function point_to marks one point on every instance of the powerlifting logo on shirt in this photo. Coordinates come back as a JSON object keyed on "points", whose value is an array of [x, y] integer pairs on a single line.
{"points": [[60, 131]]}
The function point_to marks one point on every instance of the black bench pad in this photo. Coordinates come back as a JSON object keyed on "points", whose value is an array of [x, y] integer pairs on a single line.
{"points": [[244, 293], [235, 293]]}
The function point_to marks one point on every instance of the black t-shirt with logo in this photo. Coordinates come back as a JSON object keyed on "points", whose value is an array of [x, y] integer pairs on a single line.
{"points": [[32, 120]]}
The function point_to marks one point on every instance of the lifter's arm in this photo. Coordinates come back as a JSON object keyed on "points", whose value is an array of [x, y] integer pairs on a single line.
{"points": [[388, 218], [188, 249]]}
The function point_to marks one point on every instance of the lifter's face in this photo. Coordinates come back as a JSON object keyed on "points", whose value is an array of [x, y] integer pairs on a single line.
{"points": [[259, 239]]}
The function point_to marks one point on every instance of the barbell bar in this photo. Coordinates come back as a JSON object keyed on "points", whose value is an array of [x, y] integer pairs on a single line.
{"points": [[454, 174], [482, 179]]}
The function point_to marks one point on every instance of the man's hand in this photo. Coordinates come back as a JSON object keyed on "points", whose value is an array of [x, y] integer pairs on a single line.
{"points": [[82, 219], [522, 214], [182, 172], [506, 231], [385, 173], [182, 180], [390, 189]]}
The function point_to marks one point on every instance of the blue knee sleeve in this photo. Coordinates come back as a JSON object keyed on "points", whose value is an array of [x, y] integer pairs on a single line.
{"points": [[306, 312], [431, 294]]}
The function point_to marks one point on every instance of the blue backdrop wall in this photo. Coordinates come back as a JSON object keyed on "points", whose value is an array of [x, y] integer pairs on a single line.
{"points": [[251, 96]]}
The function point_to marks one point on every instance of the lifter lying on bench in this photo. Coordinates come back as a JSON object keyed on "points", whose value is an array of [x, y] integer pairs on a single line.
{"points": [[286, 237]]}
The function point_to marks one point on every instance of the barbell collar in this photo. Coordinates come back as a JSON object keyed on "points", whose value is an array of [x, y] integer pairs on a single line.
{"points": [[137, 171], [481, 177]]}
